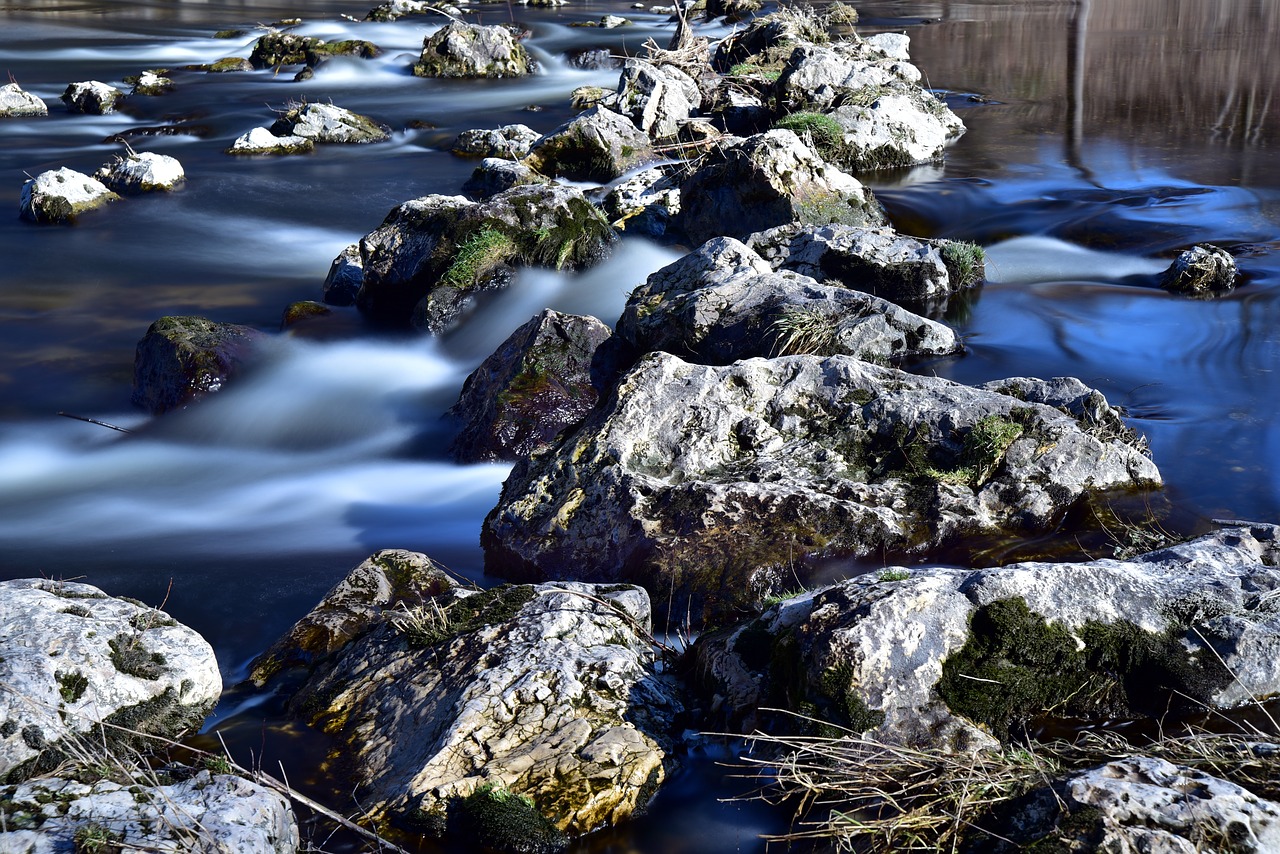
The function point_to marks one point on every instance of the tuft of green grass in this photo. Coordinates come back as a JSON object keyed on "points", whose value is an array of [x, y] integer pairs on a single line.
{"points": [[896, 574], [477, 255], [423, 625], [965, 262], [95, 839], [804, 330], [823, 132]]}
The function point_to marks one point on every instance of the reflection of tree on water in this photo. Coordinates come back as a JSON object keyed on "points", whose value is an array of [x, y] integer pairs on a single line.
{"points": [[1077, 29]]}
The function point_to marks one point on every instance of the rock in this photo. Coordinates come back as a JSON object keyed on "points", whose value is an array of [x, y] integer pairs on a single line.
{"points": [[150, 83], [205, 813], [466, 50], [768, 180], [1201, 271], [302, 313], [181, 359], [283, 48], [73, 658], [61, 195], [15, 103], [657, 99], [948, 657], [394, 9], [880, 261], [542, 692], [510, 142], [1147, 804], [740, 112], [263, 141], [93, 97], [721, 482], [767, 40], [141, 172], [645, 204], [586, 97], [346, 275], [327, 123], [229, 64], [541, 381], [891, 45], [432, 256], [388, 579], [494, 175], [609, 22], [723, 302], [598, 145]]}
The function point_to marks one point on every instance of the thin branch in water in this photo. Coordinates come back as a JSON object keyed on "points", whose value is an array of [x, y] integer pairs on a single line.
{"points": [[95, 421]]}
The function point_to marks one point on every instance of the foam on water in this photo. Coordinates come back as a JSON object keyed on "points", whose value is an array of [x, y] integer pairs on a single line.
{"points": [[1048, 259]]}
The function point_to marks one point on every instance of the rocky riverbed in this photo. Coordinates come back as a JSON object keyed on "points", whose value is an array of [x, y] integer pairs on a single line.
{"points": [[750, 421]]}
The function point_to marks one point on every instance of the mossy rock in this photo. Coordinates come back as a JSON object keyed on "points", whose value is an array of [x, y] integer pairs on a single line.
{"points": [[497, 819]]}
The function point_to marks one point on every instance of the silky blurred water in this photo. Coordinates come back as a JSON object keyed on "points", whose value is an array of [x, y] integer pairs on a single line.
{"points": [[1103, 138]]}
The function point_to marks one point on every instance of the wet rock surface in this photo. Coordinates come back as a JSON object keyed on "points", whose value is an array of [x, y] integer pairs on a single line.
{"points": [[182, 359], [543, 380], [542, 692], [717, 482], [73, 658]]}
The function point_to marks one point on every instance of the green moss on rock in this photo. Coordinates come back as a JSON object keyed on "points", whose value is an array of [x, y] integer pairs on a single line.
{"points": [[496, 818]]}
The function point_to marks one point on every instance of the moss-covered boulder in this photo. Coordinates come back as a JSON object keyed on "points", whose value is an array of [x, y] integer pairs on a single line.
{"points": [[285, 48], [329, 124], [510, 142], [73, 658], [541, 381], [724, 483], [466, 50], [182, 359], [768, 180], [61, 195], [531, 708], [953, 657], [150, 83], [432, 257], [598, 145]]}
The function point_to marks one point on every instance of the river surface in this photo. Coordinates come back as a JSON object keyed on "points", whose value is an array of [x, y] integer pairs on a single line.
{"points": [[1103, 138]]}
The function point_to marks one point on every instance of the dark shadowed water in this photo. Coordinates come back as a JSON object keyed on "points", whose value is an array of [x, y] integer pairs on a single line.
{"points": [[1103, 138]]}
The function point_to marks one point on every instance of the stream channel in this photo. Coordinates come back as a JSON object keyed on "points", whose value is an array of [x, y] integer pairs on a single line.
{"points": [[1103, 137]]}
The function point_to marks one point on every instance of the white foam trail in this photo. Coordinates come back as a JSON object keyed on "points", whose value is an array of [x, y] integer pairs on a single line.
{"points": [[1048, 259]]}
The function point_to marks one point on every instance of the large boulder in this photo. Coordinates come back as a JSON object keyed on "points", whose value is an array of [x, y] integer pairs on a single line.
{"points": [[957, 658], [141, 172], [182, 359], [327, 123], [657, 98], [543, 380], [433, 256], [92, 96], [204, 813], [725, 482], [76, 663], [768, 180], [543, 697], [279, 48], [880, 261], [61, 195], [465, 50], [598, 145], [723, 302], [16, 103]]}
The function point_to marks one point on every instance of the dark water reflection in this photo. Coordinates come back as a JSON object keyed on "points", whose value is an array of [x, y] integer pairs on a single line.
{"points": [[1103, 138]]}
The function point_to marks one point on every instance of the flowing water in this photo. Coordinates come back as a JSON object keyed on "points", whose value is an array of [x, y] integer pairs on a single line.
{"points": [[1103, 138]]}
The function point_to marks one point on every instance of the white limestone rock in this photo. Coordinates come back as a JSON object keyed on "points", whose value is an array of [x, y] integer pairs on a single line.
{"points": [[141, 172], [16, 103], [92, 96], [61, 195], [263, 141]]}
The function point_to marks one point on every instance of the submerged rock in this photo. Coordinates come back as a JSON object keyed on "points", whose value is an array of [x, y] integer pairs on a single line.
{"points": [[432, 256], [768, 180], [61, 195], [73, 658], [16, 103], [723, 302], [1201, 271], [141, 172], [598, 145], [723, 482], [950, 657], [510, 142], [263, 141], [207, 812], [181, 359], [330, 124], [465, 50], [543, 694], [92, 96], [542, 380]]}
